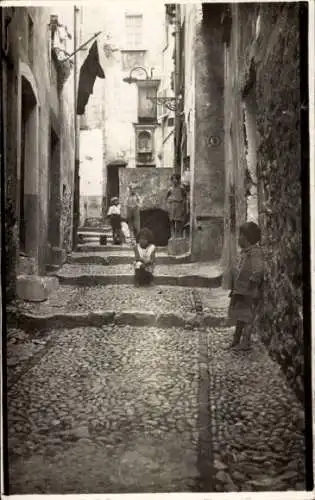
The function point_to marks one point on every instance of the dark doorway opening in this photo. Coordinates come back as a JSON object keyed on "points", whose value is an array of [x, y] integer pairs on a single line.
{"points": [[28, 132], [157, 221], [112, 181], [113, 178], [54, 191]]}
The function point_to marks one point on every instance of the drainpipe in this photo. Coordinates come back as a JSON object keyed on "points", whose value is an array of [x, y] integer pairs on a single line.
{"points": [[76, 194], [177, 84]]}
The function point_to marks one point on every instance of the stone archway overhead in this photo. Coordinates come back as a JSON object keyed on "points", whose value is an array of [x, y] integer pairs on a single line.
{"points": [[26, 72]]}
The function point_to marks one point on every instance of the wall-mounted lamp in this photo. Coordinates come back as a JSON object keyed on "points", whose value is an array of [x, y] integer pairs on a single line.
{"points": [[169, 102]]}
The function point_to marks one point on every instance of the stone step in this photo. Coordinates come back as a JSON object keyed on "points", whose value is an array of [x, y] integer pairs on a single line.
{"points": [[72, 306], [124, 256], [93, 247], [187, 275], [94, 234], [29, 321], [123, 279], [94, 230]]}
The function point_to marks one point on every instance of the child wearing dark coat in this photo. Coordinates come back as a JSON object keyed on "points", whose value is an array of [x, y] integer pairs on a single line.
{"points": [[246, 282]]}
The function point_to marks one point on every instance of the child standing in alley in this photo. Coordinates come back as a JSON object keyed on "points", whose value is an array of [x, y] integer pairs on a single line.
{"points": [[176, 199], [115, 220], [133, 211], [144, 258], [246, 282]]}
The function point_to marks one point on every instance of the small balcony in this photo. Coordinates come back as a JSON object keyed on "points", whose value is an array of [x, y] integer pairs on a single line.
{"points": [[144, 158]]}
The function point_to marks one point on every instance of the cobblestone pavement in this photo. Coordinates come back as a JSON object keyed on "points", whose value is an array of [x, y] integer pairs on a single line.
{"points": [[257, 423], [143, 409], [179, 300], [105, 410]]}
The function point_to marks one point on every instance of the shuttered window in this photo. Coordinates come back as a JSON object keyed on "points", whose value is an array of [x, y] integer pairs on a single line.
{"points": [[134, 39]]}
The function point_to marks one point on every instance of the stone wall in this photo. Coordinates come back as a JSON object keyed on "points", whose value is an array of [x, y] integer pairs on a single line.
{"points": [[151, 184], [279, 170], [208, 176], [265, 41]]}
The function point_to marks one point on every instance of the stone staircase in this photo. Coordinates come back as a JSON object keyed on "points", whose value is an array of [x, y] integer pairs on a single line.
{"points": [[95, 286], [95, 264], [92, 235], [90, 250]]}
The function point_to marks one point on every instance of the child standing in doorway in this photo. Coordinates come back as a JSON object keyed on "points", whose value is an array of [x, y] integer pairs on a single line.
{"points": [[246, 282], [176, 198], [115, 220], [144, 258]]}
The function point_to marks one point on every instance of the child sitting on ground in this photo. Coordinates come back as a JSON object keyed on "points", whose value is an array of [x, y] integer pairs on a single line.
{"points": [[246, 281], [115, 220], [144, 258]]}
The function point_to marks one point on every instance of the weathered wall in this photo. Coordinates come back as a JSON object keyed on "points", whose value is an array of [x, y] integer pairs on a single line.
{"points": [[151, 184], [272, 44], [35, 66], [279, 169], [67, 164], [67, 138], [208, 185]]}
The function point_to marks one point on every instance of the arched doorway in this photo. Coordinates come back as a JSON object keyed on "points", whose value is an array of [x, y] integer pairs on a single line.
{"points": [[28, 199], [157, 221]]}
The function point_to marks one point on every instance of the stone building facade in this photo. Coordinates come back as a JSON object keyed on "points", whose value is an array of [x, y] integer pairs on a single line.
{"points": [[38, 92], [136, 132]]}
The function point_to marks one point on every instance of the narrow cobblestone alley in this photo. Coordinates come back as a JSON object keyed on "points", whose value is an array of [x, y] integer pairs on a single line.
{"points": [[155, 162], [149, 402]]}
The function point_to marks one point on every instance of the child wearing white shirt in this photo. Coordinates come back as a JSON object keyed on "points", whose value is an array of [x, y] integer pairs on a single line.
{"points": [[144, 258], [115, 220]]}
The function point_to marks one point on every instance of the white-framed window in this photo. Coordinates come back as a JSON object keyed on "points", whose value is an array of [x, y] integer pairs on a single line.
{"points": [[134, 31], [144, 146], [144, 142]]}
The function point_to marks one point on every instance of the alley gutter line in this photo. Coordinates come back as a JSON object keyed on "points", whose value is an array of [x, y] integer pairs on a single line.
{"points": [[205, 452]]}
